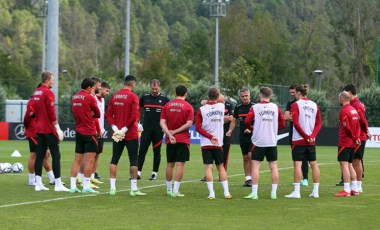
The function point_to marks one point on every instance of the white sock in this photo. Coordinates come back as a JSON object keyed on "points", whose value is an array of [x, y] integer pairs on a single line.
{"points": [[112, 183], [73, 182], [210, 186], [274, 188], [346, 187], [168, 186], [176, 186], [139, 173], [254, 189], [50, 175], [92, 176], [39, 181], [134, 184], [58, 182], [316, 188], [225, 187], [155, 173], [248, 178], [86, 183], [354, 185], [297, 188], [32, 177], [359, 184]]}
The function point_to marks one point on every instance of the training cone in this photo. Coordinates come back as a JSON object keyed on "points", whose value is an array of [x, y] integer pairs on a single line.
{"points": [[16, 153]]}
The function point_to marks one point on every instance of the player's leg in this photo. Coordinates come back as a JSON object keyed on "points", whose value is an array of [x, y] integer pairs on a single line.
{"points": [[157, 142], [353, 175], [48, 168], [90, 148], [246, 152], [311, 156], [40, 155], [117, 150], [297, 156], [357, 163], [53, 144], [226, 150], [256, 158], [145, 140], [182, 154], [305, 173], [74, 171], [271, 155], [209, 180], [32, 159], [223, 178], [343, 158], [133, 149], [95, 166], [170, 158]]}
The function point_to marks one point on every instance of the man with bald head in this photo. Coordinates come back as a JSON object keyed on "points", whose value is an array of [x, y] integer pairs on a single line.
{"points": [[349, 139]]}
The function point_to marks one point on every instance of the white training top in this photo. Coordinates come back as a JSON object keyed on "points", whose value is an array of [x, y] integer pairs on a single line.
{"points": [[212, 123], [306, 118], [101, 109], [265, 124]]}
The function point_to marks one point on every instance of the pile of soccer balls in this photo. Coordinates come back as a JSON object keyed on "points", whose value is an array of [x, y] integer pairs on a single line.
{"points": [[8, 168]]}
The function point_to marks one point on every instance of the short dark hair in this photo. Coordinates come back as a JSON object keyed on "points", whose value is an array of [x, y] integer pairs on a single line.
{"points": [[292, 86], [180, 90], [96, 79], [155, 81], [105, 85], [129, 80], [213, 93], [45, 76], [302, 89], [87, 82], [244, 90], [266, 92], [350, 88]]}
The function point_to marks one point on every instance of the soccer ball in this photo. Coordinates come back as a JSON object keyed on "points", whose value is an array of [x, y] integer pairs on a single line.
{"points": [[7, 167], [17, 168]]}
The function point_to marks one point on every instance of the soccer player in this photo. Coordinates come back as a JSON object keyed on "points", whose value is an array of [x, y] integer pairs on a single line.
{"points": [[48, 132], [209, 124], [30, 133], [176, 118], [240, 112], [85, 111], [268, 119], [152, 104], [307, 122], [103, 93], [288, 117], [364, 133], [122, 115], [349, 137]]}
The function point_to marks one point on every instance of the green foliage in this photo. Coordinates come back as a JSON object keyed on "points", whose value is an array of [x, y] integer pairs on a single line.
{"points": [[371, 99], [319, 97], [197, 93]]}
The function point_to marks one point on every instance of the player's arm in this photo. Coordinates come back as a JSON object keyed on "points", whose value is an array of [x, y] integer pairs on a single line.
{"points": [[248, 120], [296, 124], [318, 124], [288, 113], [281, 120], [28, 116], [233, 123], [363, 122], [132, 116], [198, 125], [50, 106], [110, 114], [94, 107]]}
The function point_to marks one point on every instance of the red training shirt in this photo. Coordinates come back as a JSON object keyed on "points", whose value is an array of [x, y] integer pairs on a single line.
{"points": [[360, 108], [30, 120], [86, 112], [349, 126], [123, 111], [176, 113], [44, 109]]}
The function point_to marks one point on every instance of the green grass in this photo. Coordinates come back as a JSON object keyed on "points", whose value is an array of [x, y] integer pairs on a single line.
{"points": [[23, 208]]}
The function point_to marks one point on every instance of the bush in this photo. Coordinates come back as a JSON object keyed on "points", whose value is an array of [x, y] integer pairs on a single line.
{"points": [[319, 97], [371, 99]]}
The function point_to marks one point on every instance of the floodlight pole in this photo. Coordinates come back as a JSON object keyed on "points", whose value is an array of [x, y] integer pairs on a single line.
{"points": [[217, 9], [127, 36]]}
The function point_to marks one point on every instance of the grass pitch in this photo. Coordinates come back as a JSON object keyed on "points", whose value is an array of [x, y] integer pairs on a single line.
{"points": [[23, 208]]}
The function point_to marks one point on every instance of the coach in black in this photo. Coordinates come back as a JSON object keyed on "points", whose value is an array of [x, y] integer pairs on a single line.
{"points": [[240, 113], [152, 104]]}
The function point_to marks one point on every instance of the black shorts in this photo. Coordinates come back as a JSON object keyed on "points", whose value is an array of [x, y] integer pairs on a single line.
{"points": [[211, 155], [359, 151], [86, 143], [299, 152], [258, 153], [100, 145], [33, 144], [245, 145], [345, 154], [132, 147], [178, 152]]}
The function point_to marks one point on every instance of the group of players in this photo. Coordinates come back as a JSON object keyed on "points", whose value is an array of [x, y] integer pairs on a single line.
{"points": [[215, 122]]}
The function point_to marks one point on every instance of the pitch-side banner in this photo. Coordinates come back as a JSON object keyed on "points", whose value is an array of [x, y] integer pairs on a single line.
{"points": [[375, 139]]}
